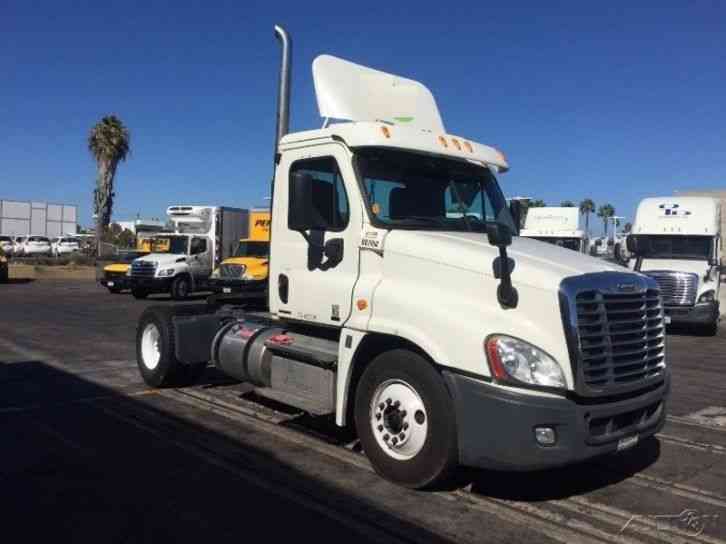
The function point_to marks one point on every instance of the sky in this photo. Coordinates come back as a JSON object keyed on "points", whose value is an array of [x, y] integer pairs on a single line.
{"points": [[614, 101]]}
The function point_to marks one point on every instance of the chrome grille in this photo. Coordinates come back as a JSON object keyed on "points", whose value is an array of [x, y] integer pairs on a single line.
{"points": [[232, 271], [677, 288], [621, 337], [615, 328], [143, 269]]}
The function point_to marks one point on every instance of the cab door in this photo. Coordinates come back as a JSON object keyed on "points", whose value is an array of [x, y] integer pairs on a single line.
{"points": [[312, 274], [200, 259]]}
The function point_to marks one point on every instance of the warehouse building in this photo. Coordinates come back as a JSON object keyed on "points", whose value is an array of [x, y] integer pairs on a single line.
{"points": [[19, 217]]}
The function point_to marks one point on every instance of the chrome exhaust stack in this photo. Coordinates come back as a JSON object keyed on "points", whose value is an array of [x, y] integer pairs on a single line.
{"points": [[283, 93]]}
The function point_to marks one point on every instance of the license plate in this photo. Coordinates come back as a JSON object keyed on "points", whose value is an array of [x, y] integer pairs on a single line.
{"points": [[667, 320], [627, 442], [226, 290], [110, 284]]}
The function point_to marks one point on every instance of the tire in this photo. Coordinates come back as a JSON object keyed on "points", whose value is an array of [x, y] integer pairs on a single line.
{"points": [[181, 287], [428, 453], [139, 293], [711, 329], [114, 290], [155, 350]]}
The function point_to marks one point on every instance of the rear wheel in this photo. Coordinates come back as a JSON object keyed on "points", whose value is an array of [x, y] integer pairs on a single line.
{"points": [[155, 350], [405, 422], [180, 288]]}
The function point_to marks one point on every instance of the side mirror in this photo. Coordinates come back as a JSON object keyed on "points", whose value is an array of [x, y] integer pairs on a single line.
{"points": [[300, 203], [515, 209], [499, 235], [632, 243]]}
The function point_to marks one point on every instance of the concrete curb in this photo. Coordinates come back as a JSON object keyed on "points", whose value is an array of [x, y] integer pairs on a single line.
{"points": [[40, 272]]}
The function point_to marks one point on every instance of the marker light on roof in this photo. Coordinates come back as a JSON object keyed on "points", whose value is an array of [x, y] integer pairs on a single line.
{"points": [[501, 155], [468, 147], [456, 143], [386, 132], [442, 141]]}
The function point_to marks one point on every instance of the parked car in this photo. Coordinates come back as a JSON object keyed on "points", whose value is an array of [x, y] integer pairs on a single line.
{"points": [[37, 245], [18, 245], [7, 245], [65, 245], [4, 274]]}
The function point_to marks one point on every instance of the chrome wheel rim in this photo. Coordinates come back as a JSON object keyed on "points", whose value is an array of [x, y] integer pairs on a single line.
{"points": [[150, 348], [398, 419]]}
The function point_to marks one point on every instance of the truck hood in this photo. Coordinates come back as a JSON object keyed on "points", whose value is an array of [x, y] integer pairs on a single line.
{"points": [[538, 264], [163, 258]]}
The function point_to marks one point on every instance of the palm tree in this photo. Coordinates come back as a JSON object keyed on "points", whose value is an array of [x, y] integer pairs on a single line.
{"points": [[605, 212], [567, 204], [587, 206], [109, 143]]}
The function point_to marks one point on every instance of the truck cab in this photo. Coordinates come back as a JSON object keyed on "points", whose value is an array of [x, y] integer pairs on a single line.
{"points": [[677, 241], [441, 337], [559, 226]]}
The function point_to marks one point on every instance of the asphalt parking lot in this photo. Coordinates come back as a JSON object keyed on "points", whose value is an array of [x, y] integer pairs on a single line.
{"points": [[91, 454]]}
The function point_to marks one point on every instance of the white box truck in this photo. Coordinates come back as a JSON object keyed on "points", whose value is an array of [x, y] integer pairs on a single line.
{"points": [[180, 262], [443, 340], [677, 242], [556, 225]]}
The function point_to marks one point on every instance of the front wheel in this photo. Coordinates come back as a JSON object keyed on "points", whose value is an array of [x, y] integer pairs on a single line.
{"points": [[711, 329], [180, 288], [139, 293], [155, 350], [405, 420]]}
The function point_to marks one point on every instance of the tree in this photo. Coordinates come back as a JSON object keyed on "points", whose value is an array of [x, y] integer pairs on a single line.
{"points": [[109, 143], [605, 212], [567, 204], [538, 203], [587, 206]]}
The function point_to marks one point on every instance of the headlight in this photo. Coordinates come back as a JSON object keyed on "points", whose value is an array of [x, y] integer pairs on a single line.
{"points": [[514, 360], [167, 272], [708, 296], [215, 273]]}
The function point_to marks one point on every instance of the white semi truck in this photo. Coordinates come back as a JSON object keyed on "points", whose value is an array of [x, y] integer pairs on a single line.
{"points": [[677, 241], [180, 262], [556, 225], [443, 340]]}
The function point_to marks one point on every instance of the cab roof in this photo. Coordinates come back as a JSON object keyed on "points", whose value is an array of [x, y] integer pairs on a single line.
{"points": [[689, 215]]}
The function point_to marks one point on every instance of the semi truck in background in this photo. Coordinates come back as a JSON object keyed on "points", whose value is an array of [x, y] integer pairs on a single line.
{"points": [[247, 269], [181, 262], [677, 241], [559, 226], [442, 340]]}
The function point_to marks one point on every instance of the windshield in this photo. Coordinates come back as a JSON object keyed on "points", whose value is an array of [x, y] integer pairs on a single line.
{"points": [[170, 244], [408, 190], [5, 239], [68, 241], [252, 249], [674, 247], [39, 239], [568, 243]]}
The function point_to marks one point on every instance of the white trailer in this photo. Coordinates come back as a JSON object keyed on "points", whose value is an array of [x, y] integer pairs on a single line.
{"points": [[559, 226], [181, 261], [677, 241], [440, 337]]}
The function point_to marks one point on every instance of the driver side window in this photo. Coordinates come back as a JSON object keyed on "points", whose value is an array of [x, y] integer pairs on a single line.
{"points": [[330, 202], [199, 245]]}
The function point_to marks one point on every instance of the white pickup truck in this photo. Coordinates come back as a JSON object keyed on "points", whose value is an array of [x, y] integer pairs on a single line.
{"points": [[443, 339], [181, 262]]}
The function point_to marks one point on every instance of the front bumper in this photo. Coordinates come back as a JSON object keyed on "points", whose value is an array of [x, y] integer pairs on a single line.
{"points": [[122, 282], [233, 285], [152, 285], [700, 314], [496, 425]]}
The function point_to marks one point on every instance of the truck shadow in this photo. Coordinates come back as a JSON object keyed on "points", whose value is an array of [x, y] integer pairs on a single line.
{"points": [[83, 462], [560, 483]]}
